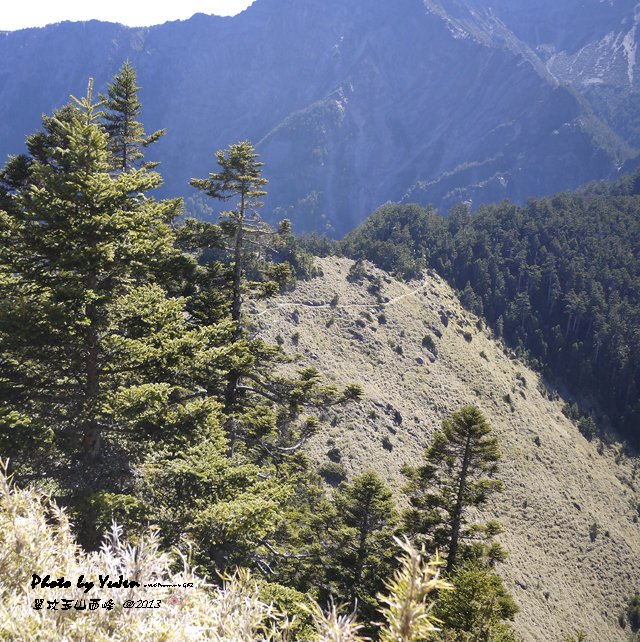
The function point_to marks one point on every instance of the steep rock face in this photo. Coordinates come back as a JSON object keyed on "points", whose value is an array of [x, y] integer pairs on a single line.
{"points": [[352, 103], [565, 573], [587, 44], [422, 116], [567, 25]]}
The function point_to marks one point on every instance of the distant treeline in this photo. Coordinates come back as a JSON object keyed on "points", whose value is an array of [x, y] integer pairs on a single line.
{"points": [[559, 279]]}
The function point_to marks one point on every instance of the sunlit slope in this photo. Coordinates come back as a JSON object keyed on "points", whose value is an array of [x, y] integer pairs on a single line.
{"points": [[558, 485]]}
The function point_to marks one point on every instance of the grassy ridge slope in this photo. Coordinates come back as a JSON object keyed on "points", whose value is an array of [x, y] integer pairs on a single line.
{"points": [[558, 485]]}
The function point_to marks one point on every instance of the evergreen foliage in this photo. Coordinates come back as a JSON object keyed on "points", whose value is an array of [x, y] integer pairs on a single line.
{"points": [[36, 534], [117, 349], [91, 348], [360, 550], [456, 475], [127, 138], [240, 178], [633, 612], [558, 278], [478, 610], [132, 386], [261, 407]]}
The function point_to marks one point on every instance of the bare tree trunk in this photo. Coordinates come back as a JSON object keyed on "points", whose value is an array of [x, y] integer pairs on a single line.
{"points": [[456, 518]]}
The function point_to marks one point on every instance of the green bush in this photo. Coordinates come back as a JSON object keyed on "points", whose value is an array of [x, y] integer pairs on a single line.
{"points": [[479, 608], [587, 428], [334, 454], [332, 472], [357, 272]]}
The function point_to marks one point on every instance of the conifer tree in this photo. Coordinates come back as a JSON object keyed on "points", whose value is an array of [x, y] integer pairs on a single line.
{"points": [[41, 146], [456, 475], [479, 609], [240, 178], [360, 553], [97, 362], [110, 387], [127, 138], [253, 387]]}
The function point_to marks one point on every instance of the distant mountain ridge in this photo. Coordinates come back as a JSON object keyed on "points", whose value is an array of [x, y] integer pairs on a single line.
{"points": [[355, 103]]}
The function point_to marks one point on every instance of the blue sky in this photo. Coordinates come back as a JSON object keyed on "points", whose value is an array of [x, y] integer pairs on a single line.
{"points": [[18, 14]]}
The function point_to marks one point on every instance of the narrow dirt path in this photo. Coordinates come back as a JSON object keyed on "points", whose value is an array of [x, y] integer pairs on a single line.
{"points": [[344, 306]]}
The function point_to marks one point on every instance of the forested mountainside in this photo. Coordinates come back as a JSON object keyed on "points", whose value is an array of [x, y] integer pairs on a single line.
{"points": [[353, 103], [135, 388], [558, 278]]}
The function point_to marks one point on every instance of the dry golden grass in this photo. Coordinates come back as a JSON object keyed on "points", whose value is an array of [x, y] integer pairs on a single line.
{"points": [[555, 491], [35, 537]]}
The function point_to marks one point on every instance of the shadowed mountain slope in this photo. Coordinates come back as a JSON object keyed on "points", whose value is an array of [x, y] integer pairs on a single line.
{"points": [[352, 103]]}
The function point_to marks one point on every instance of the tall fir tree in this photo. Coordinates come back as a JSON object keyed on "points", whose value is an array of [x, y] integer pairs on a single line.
{"points": [[97, 362], [246, 242], [456, 476], [127, 137], [240, 178], [112, 384], [269, 412], [360, 550]]}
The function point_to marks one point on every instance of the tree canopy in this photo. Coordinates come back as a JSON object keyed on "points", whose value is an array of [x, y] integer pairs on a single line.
{"points": [[456, 475], [558, 279]]}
